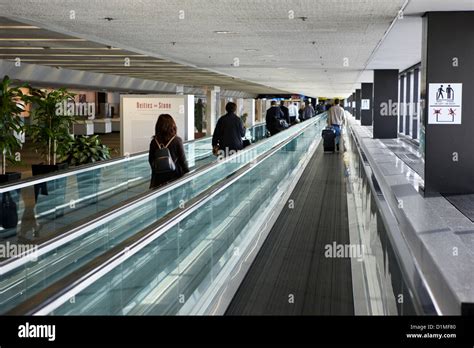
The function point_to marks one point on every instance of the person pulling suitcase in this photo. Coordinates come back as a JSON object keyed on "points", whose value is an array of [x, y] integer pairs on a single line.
{"points": [[336, 118]]}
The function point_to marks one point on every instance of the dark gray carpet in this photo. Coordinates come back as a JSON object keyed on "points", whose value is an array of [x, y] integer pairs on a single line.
{"points": [[291, 263]]}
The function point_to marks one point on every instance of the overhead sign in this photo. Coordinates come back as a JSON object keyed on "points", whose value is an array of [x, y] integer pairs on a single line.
{"points": [[445, 103], [139, 114], [365, 104]]}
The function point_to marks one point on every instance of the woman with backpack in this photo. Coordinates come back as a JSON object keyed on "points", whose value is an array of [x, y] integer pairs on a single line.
{"points": [[166, 157]]}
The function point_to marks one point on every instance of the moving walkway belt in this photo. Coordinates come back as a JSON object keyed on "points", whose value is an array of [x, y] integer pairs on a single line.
{"points": [[67, 253]]}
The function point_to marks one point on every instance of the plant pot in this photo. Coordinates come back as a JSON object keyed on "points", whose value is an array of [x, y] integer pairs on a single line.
{"points": [[56, 187], [198, 135], [41, 169], [9, 176], [9, 203]]}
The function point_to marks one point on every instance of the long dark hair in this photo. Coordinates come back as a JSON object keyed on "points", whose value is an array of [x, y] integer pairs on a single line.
{"points": [[165, 128]]}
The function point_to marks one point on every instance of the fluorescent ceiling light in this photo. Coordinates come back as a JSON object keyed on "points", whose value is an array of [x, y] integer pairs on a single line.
{"points": [[74, 55], [17, 27], [21, 48], [118, 60], [38, 39], [86, 48]]}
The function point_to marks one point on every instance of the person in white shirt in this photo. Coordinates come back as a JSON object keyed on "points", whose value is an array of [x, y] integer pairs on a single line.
{"points": [[293, 112], [336, 118]]}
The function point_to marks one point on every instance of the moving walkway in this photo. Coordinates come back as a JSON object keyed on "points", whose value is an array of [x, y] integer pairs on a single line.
{"points": [[122, 228], [48, 206]]}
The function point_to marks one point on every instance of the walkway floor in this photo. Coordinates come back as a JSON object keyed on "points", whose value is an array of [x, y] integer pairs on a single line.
{"points": [[291, 274]]}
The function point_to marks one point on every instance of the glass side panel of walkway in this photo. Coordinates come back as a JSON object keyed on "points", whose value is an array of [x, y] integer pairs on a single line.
{"points": [[24, 277]]}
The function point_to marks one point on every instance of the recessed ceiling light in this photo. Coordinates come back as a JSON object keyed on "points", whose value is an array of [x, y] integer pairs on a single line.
{"points": [[224, 32]]}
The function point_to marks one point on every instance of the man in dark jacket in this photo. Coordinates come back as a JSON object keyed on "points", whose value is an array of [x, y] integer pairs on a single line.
{"points": [[227, 137], [274, 115], [286, 112]]}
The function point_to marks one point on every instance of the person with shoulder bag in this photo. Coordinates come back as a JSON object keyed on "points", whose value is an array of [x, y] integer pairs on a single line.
{"points": [[166, 156]]}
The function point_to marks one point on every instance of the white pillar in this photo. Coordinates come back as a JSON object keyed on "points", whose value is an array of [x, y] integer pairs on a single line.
{"points": [[268, 103], [223, 102], [211, 111], [189, 117], [240, 106], [258, 110], [249, 109]]}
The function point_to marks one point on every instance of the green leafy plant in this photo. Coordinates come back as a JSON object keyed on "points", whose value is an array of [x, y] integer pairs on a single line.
{"points": [[87, 149], [51, 123], [10, 121]]}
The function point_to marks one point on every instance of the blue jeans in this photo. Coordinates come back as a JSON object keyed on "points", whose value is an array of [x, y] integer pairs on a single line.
{"points": [[337, 129]]}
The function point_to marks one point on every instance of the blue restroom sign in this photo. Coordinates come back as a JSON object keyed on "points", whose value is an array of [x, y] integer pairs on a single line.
{"points": [[445, 103]]}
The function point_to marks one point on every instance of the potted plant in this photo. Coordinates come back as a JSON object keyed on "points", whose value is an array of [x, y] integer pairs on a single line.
{"points": [[50, 128], [10, 126], [85, 150]]}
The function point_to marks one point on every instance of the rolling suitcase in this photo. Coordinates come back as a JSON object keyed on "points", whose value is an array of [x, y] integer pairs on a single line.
{"points": [[329, 139]]}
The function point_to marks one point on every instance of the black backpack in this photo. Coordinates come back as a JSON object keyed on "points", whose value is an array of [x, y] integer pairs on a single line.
{"points": [[162, 162]]}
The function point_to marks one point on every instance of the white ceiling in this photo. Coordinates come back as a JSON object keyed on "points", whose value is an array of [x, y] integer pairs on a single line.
{"points": [[401, 48], [295, 55], [37, 46]]}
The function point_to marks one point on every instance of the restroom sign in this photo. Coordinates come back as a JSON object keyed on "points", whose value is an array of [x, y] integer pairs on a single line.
{"points": [[445, 103]]}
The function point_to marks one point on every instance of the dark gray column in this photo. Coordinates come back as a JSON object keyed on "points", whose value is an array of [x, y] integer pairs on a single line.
{"points": [[402, 101], [353, 104], [407, 102], [416, 99], [447, 59], [385, 104], [366, 93], [357, 100]]}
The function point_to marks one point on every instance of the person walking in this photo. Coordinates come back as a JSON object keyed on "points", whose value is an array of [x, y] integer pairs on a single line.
{"points": [[273, 117], [228, 134], [286, 112], [293, 112], [336, 118], [166, 157], [199, 115], [308, 111]]}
